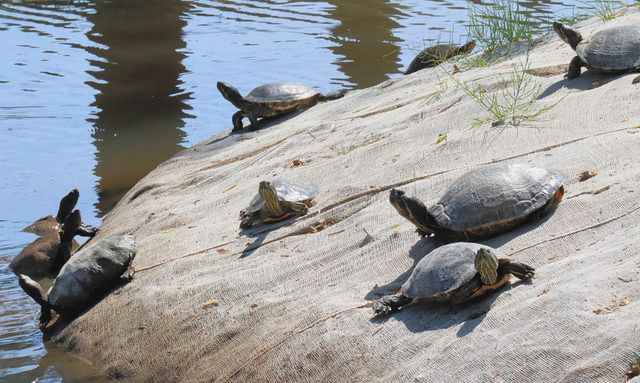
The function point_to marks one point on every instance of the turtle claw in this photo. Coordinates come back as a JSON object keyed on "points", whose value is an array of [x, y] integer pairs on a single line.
{"points": [[380, 309]]}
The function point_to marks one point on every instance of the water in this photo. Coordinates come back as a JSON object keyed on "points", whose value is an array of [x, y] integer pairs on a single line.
{"points": [[94, 94]]}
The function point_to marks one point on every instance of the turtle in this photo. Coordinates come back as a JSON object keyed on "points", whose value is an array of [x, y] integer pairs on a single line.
{"points": [[272, 99], [47, 254], [278, 200], [456, 273], [49, 223], [438, 54], [91, 273], [484, 202], [612, 50]]}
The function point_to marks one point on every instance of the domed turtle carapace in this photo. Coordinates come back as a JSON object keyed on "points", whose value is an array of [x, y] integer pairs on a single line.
{"points": [[484, 202], [456, 273], [271, 100]]}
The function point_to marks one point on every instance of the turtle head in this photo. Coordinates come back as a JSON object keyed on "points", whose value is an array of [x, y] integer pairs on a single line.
{"points": [[231, 94], [412, 209], [269, 195], [67, 203], [487, 265], [567, 34], [32, 288], [468, 47]]}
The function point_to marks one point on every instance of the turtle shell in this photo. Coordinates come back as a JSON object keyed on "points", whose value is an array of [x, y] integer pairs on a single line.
{"points": [[90, 273], [495, 194], [444, 270], [614, 49], [280, 92], [287, 190]]}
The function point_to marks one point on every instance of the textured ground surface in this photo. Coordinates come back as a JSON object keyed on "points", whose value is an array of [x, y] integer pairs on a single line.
{"points": [[282, 304]]}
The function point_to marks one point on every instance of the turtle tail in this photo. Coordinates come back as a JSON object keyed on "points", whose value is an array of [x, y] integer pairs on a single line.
{"points": [[332, 95], [390, 303]]}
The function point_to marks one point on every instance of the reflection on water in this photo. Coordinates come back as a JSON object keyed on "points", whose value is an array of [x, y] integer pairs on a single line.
{"points": [[140, 100], [96, 93], [364, 39]]}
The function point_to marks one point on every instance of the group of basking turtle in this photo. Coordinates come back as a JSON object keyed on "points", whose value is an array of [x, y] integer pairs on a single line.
{"points": [[614, 50], [483, 203], [81, 279]]}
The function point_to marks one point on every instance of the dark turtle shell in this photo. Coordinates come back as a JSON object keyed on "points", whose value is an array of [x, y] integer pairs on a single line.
{"points": [[613, 49], [282, 95], [91, 272], [286, 190], [444, 270], [495, 197]]}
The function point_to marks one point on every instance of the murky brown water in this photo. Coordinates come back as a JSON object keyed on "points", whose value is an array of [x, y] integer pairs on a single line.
{"points": [[94, 94]]}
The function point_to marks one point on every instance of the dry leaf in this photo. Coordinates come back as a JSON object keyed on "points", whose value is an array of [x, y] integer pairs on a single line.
{"points": [[254, 305], [585, 175], [211, 303]]}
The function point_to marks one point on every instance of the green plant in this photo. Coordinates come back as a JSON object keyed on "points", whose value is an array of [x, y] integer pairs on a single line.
{"points": [[513, 101], [440, 87], [574, 17], [605, 9], [499, 24]]}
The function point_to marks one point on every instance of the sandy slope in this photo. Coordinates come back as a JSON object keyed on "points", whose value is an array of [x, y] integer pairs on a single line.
{"points": [[292, 306]]}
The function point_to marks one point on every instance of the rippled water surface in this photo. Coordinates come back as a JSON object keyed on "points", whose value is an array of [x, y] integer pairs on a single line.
{"points": [[94, 94]]}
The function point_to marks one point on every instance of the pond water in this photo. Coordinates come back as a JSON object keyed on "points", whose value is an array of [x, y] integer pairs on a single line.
{"points": [[95, 94]]}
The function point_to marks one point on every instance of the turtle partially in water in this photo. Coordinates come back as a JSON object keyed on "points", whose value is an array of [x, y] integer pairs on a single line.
{"points": [[271, 100], [50, 224], [456, 273], [47, 254], [278, 200], [86, 278], [612, 50], [437, 54], [484, 202]]}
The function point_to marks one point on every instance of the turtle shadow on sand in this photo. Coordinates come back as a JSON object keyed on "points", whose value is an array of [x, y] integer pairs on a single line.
{"points": [[586, 81], [268, 122], [259, 232]]}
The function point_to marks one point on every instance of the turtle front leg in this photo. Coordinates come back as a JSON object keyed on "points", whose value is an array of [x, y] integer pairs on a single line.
{"points": [[128, 274], [390, 303], [236, 119], [87, 231], [575, 67], [247, 219], [254, 121]]}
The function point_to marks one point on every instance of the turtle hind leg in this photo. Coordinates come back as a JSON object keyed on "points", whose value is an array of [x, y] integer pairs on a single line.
{"points": [[520, 270], [390, 303], [332, 95], [575, 67], [636, 80]]}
